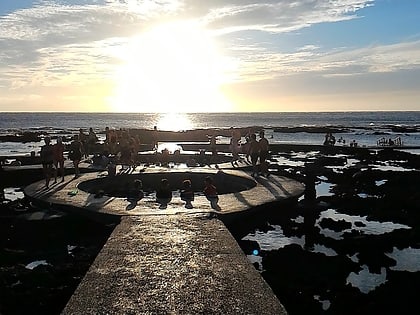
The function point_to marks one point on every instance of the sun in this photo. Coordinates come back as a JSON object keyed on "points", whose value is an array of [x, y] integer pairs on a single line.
{"points": [[174, 67]]}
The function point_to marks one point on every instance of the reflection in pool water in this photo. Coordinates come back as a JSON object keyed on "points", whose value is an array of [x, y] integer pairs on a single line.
{"points": [[368, 227], [407, 259], [366, 281], [324, 189], [13, 193]]}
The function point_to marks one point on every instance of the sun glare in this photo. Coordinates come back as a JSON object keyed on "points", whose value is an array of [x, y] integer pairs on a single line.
{"points": [[171, 68], [174, 122]]}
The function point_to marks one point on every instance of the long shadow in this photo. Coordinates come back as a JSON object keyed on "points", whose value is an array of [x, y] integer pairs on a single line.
{"points": [[271, 183]]}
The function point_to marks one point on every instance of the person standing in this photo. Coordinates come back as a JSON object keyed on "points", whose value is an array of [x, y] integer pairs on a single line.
{"points": [[58, 159], [92, 138], [263, 154], [2, 197], [47, 157], [234, 146], [253, 152], [213, 146], [83, 138], [75, 154]]}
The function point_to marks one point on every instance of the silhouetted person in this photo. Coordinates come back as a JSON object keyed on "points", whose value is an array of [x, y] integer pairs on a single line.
{"points": [[135, 194], [47, 160], [264, 146], [58, 159], [210, 192], [163, 194], [75, 154], [187, 193]]}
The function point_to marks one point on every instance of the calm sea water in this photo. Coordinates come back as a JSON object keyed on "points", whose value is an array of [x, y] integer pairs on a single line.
{"points": [[363, 127]]}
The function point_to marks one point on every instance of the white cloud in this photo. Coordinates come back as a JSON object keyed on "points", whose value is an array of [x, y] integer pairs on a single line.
{"points": [[57, 43]]}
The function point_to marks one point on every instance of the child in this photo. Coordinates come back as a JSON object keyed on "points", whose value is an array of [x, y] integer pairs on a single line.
{"points": [[136, 193], [187, 194], [163, 194], [211, 193]]}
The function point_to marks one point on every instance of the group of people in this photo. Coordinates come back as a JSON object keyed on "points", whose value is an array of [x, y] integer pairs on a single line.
{"points": [[164, 193], [256, 151], [329, 139], [52, 159]]}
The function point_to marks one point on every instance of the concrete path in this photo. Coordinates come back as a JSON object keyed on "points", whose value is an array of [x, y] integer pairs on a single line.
{"points": [[172, 265]]}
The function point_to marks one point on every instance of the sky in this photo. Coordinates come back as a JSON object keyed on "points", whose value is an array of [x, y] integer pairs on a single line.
{"points": [[209, 56]]}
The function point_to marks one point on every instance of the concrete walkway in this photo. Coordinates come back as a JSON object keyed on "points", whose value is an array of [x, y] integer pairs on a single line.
{"points": [[172, 265], [172, 261]]}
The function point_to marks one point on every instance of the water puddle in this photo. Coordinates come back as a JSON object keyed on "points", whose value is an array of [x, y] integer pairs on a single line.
{"points": [[273, 239], [325, 304], [13, 193], [34, 264], [388, 167], [282, 161], [408, 259], [324, 189], [366, 281], [363, 225]]}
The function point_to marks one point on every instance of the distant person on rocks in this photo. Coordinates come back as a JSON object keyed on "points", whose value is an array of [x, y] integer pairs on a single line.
{"points": [[2, 197], [187, 193], [264, 147], [163, 194], [47, 160], [75, 154], [83, 138], [107, 135], [59, 159], [91, 142], [213, 146], [154, 138], [210, 192], [234, 146], [329, 139]]}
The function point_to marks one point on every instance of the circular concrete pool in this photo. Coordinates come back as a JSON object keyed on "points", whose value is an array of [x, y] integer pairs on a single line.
{"points": [[119, 185]]}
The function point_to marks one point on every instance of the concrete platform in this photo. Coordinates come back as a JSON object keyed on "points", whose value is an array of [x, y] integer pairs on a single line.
{"points": [[266, 190], [176, 260]]}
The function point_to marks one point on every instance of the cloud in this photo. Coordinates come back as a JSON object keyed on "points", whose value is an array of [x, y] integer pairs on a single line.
{"points": [[59, 43]]}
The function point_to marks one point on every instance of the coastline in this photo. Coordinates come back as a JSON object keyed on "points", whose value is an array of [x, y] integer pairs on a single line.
{"points": [[360, 185]]}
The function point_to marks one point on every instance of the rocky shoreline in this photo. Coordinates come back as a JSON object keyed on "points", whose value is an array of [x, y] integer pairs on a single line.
{"points": [[305, 280]]}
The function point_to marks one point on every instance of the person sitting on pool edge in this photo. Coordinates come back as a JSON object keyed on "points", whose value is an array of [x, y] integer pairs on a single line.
{"points": [[210, 192], [135, 193], [163, 194], [187, 194]]}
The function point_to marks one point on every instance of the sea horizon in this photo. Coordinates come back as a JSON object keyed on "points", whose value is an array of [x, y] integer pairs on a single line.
{"points": [[224, 112]]}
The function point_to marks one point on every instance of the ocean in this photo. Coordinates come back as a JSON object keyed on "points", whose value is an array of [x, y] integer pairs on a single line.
{"points": [[366, 128]]}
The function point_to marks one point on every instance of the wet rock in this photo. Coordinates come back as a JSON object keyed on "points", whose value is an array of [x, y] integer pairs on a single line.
{"points": [[334, 225]]}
